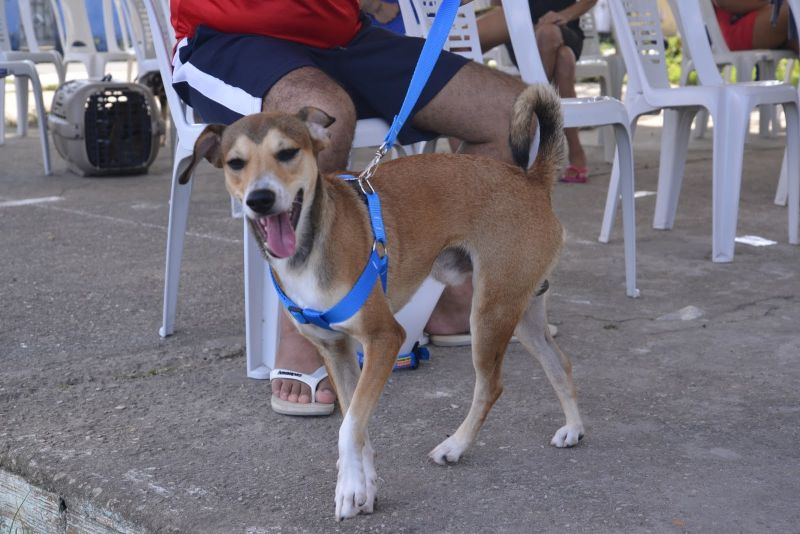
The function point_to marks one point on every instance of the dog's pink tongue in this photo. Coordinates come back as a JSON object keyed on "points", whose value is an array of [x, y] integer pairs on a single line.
{"points": [[280, 235]]}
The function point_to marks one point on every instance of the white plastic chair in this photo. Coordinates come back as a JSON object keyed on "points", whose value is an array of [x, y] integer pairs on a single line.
{"points": [[463, 36], [580, 112], [638, 31], [141, 35], [32, 53], [781, 194], [77, 40], [608, 69], [262, 309], [744, 61], [27, 69], [577, 112]]}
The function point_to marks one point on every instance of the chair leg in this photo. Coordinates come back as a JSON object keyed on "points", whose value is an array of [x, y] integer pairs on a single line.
{"points": [[701, 125], [767, 113], [41, 120], [625, 155], [729, 138], [781, 192], [674, 148], [261, 310], [21, 84], [176, 229], [793, 171], [612, 196], [2, 111]]}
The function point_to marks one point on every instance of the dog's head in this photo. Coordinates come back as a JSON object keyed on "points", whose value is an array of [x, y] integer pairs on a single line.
{"points": [[270, 165]]}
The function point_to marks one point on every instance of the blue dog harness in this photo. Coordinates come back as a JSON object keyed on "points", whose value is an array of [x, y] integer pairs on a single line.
{"points": [[377, 268]]}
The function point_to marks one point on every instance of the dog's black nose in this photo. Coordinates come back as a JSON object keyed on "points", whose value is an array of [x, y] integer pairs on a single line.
{"points": [[261, 200]]}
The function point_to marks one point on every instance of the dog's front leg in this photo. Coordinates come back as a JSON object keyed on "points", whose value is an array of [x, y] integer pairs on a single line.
{"points": [[357, 480], [344, 371]]}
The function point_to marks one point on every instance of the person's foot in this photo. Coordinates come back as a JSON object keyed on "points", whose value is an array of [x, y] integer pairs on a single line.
{"points": [[575, 175], [296, 353]]}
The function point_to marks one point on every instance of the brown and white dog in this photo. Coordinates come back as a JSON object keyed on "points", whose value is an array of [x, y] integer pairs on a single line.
{"points": [[450, 215]]}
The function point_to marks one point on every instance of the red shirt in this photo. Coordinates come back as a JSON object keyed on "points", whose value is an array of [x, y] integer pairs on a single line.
{"points": [[319, 23]]}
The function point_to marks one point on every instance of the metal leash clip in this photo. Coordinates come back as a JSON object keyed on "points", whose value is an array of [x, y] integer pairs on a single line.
{"points": [[367, 173]]}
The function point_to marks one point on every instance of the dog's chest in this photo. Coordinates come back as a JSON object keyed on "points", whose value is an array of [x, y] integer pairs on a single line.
{"points": [[304, 289]]}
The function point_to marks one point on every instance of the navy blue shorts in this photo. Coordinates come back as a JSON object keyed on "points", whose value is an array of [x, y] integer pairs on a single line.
{"points": [[225, 76]]}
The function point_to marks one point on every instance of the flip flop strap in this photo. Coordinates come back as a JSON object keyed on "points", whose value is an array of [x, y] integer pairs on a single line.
{"points": [[311, 380]]}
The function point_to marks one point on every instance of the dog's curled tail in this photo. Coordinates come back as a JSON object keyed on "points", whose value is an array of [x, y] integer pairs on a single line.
{"points": [[542, 101]]}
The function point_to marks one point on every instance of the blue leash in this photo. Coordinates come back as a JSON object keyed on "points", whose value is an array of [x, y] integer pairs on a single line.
{"points": [[427, 59], [378, 265], [433, 46]]}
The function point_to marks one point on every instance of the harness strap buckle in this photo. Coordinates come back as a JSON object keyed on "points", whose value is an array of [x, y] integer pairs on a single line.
{"points": [[298, 314]]}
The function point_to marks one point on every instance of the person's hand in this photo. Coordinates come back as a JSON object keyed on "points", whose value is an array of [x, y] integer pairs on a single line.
{"points": [[384, 11], [552, 17]]}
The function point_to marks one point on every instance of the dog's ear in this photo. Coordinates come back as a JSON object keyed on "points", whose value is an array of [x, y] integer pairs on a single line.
{"points": [[208, 145], [317, 122]]}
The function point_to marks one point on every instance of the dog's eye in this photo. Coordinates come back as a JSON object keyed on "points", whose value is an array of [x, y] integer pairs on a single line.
{"points": [[236, 164], [287, 154]]}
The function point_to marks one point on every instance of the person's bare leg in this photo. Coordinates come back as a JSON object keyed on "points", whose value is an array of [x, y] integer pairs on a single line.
{"points": [[765, 35], [492, 29], [310, 87], [564, 78], [461, 110], [549, 39]]}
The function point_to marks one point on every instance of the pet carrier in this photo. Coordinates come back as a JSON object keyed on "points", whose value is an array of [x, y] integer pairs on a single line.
{"points": [[101, 127]]}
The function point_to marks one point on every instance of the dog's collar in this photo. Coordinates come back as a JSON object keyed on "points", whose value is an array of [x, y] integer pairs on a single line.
{"points": [[377, 268]]}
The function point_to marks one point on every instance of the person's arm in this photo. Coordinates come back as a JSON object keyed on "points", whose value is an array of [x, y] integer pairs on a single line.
{"points": [[741, 7], [382, 11], [569, 14]]}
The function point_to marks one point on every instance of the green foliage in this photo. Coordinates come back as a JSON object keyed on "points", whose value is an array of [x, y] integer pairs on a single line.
{"points": [[674, 57], [781, 71]]}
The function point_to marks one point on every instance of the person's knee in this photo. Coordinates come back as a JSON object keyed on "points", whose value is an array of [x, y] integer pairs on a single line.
{"points": [[548, 36], [310, 87], [565, 65]]}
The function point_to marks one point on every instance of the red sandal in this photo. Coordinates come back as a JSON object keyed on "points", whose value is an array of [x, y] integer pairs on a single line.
{"points": [[575, 175]]}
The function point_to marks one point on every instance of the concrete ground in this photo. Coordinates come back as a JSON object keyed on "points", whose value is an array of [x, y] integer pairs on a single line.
{"points": [[690, 393]]}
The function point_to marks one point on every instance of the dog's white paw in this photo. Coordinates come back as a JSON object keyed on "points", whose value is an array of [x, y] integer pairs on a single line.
{"points": [[567, 436], [448, 451], [353, 494], [370, 476]]}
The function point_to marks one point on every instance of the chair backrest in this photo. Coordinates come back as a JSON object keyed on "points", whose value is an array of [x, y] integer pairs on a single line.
{"points": [[5, 31], [28, 28], [638, 32], [112, 12], [463, 37], [591, 39], [138, 25], [28, 41], [163, 42], [410, 19], [520, 29], [695, 40], [74, 29], [709, 17]]}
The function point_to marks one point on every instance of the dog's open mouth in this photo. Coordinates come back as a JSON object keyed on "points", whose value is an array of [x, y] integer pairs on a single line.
{"points": [[277, 230]]}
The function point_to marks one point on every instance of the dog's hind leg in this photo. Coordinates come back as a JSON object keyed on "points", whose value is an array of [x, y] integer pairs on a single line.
{"points": [[532, 331], [492, 325]]}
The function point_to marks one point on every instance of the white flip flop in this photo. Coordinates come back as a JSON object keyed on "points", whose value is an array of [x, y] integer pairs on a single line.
{"points": [[284, 407]]}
